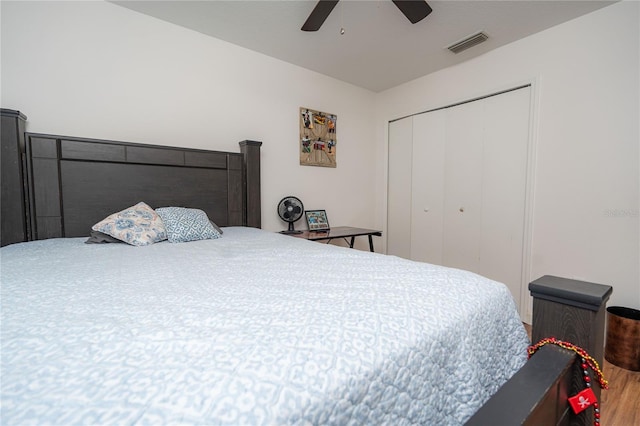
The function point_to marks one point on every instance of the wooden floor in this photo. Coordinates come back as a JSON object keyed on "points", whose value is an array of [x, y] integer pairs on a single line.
{"points": [[621, 403]]}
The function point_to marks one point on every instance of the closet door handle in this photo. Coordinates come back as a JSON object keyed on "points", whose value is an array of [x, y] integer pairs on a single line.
{"points": [[461, 209]]}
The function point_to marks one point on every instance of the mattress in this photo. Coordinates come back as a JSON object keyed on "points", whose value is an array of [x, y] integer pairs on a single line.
{"points": [[253, 328]]}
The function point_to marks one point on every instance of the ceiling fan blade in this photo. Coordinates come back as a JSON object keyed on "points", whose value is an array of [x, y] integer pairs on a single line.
{"points": [[319, 15], [414, 10]]}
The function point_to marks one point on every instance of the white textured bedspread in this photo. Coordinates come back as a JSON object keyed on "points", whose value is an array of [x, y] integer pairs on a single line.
{"points": [[249, 329]]}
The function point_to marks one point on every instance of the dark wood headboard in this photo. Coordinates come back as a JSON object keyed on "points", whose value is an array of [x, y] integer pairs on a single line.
{"points": [[72, 182]]}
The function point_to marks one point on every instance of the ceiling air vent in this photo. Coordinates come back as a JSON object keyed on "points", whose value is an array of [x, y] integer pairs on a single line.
{"points": [[468, 42]]}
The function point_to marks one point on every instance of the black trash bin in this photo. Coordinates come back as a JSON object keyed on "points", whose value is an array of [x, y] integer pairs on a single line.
{"points": [[623, 338]]}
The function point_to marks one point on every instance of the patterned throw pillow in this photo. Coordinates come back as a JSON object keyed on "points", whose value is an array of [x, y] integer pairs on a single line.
{"points": [[138, 225], [183, 224]]}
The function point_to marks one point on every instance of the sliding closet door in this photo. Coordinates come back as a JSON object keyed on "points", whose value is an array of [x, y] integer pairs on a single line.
{"points": [[399, 188], [463, 186], [462, 171], [504, 174], [427, 186]]}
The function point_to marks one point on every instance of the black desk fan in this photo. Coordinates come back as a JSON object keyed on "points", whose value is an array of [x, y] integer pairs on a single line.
{"points": [[290, 209]]}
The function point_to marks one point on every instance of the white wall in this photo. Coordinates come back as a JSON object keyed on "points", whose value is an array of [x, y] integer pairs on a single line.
{"points": [[95, 69], [586, 199]]}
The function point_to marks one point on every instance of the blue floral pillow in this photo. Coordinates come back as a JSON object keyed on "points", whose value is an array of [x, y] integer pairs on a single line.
{"points": [[183, 224], [138, 225]]}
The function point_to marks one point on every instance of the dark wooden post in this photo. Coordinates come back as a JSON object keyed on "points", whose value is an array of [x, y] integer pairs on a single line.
{"points": [[14, 209], [251, 152], [573, 311]]}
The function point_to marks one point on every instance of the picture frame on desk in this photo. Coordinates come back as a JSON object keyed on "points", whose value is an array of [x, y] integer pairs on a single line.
{"points": [[317, 220]]}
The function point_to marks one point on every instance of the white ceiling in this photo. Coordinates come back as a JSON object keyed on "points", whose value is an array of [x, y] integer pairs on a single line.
{"points": [[380, 48]]}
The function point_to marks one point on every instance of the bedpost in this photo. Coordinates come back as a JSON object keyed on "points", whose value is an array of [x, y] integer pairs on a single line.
{"points": [[14, 227], [537, 394], [251, 152], [573, 311]]}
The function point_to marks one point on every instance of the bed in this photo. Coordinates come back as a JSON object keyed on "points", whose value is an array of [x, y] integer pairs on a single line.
{"points": [[252, 327]]}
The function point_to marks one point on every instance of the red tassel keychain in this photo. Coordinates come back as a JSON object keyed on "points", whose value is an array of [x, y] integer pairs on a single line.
{"points": [[586, 398]]}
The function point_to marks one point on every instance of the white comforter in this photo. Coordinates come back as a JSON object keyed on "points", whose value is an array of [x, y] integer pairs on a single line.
{"points": [[253, 328]]}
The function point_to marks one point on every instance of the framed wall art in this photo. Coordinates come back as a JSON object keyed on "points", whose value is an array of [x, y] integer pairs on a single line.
{"points": [[317, 220], [318, 138]]}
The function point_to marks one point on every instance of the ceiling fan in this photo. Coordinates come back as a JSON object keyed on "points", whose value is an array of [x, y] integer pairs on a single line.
{"points": [[414, 10]]}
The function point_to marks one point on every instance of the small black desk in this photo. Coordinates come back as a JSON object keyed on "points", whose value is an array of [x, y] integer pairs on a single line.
{"points": [[340, 232]]}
